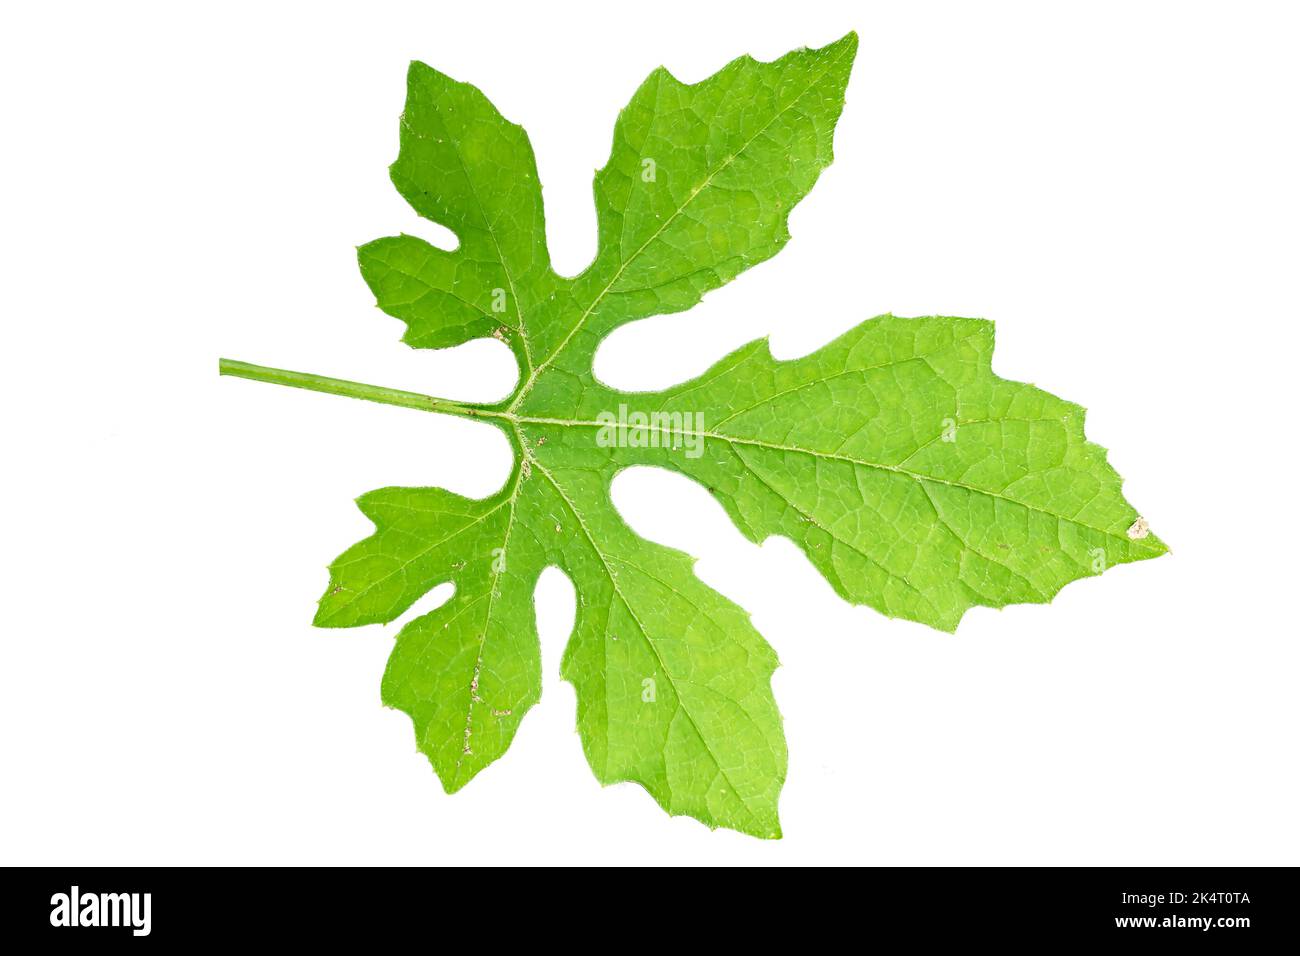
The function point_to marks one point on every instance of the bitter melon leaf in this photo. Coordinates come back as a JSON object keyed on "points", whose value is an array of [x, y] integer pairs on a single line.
{"points": [[916, 480]]}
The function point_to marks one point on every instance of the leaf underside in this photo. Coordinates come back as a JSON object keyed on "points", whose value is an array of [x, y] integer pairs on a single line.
{"points": [[914, 479]]}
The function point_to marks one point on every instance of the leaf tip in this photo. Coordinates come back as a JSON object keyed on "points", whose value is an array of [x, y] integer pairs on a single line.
{"points": [[418, 69], [847, 42], [451, 782], [327, 616]]}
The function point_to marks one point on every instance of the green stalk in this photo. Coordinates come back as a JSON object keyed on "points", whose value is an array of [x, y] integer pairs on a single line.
{"points": [[338, 386]]}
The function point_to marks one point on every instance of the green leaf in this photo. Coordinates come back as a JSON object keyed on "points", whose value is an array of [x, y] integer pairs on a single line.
{"points": [[464, 166], [468, 671], [916, 480]]}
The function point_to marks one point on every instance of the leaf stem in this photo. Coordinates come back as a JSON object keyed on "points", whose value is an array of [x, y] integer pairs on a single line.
{"points": [[338, 386]]}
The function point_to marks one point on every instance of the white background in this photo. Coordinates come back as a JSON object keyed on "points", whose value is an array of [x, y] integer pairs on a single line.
{"points": [[1114, 183]]}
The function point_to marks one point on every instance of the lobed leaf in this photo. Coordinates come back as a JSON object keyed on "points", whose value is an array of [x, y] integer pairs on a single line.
{"points": [[915, 479]]}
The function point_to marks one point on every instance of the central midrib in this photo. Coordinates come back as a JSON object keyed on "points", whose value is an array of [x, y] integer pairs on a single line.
{"points": [[830, 456]]}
